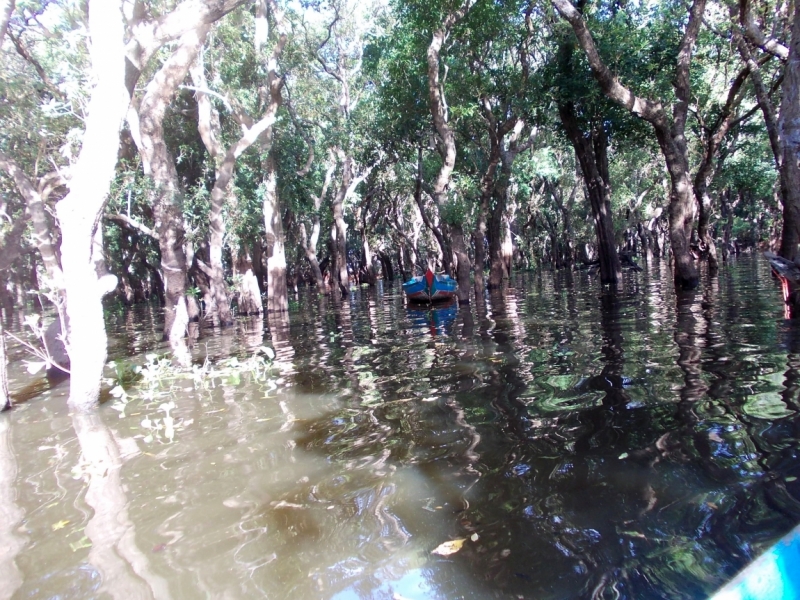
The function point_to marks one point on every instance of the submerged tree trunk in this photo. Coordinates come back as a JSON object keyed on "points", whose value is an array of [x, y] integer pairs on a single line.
{"points": [[479, 246], [277, 292], [309, 243], [167, 194], [789, 124], [497, 264], [592, 156], [504, 146], [368, 266], [248, 297], [80, 211], [340, 276]]}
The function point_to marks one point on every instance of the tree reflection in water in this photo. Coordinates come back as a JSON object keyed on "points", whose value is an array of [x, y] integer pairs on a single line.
{"points": [[125, 570], [10, 515]]}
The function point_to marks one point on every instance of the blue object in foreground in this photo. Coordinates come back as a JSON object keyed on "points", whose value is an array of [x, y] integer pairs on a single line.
{"points": [[775, 575]]}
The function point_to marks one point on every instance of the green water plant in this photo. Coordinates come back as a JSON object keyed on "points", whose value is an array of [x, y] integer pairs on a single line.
{"points": [[159, 379]]}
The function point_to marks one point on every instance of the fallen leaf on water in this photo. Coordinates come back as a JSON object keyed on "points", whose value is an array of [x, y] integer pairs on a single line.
{"points": [[448, 548], [60, 525]]}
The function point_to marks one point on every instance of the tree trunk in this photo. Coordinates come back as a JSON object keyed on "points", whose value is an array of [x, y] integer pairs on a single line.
{"points": [[277, 293], [5, 398], [708, 246], [446, 144], [386, 265], [249, 296], [594, 169], [712, 140], [681, 218], [309, 244], [496, 133], [789, 124], [447, 150], [368, 267], [441, 240], [463, 266], [79, 212], [167, 194], [6, 10], [497, 274], [502, 152], [339, 272], [479, 243], [40, 221], [217, 302]]}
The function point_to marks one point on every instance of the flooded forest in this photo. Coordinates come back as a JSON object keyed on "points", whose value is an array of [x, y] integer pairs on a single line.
{"points": [[397, 299]]}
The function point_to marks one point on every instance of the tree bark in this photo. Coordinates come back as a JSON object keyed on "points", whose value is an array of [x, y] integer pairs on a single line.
{"points": [[444, 247], [367, 260], [670, 136], [277, 291], [79, 213]]}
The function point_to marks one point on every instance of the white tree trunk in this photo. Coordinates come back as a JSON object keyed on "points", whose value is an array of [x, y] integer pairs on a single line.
{"points": [[79, 212], [6, 9]]}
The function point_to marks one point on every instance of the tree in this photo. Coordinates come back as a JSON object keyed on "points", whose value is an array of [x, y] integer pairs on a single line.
{"points": [[446, 146], [670, 133], [225, 161]]}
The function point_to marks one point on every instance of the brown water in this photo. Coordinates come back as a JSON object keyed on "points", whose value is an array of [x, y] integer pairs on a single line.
{"points": [[643, 447]]}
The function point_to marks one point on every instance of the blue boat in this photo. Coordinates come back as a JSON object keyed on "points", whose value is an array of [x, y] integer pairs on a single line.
{"points": [[775, 575], [430, 287]]}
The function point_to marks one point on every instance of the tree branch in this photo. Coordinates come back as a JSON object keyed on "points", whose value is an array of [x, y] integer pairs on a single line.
{"points": [[649, 110], [129, 223], [23, 52], [756, 37]]}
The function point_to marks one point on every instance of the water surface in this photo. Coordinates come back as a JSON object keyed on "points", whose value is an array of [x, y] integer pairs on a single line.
{"points": [[571, 443]]}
